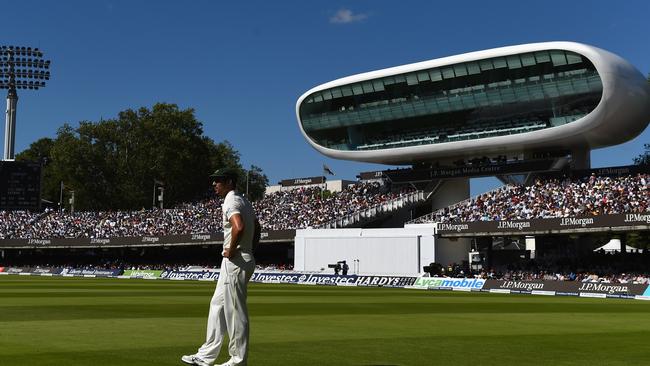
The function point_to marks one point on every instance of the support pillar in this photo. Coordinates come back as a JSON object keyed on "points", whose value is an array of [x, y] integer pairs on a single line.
{"points": [[581, 158], [450, 251], [10, 125], [450, 192]]}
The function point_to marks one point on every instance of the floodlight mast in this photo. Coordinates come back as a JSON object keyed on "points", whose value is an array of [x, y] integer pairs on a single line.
{"points": [[19, 73]]}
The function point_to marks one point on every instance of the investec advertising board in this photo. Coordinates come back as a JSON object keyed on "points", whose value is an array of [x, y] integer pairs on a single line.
{"points": [[323, 279], [299, 278], [190, 275]]}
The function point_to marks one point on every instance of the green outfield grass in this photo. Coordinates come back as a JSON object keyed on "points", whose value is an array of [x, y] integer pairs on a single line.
{"points": [[83, 321]]}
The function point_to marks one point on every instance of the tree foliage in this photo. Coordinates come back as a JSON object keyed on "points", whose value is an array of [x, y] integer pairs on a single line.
{"points": [[644, 158], [112, 164]]}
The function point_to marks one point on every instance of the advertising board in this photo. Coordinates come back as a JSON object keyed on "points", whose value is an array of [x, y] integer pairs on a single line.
{"points": [[449, 283], [631, 221], [15, 270], [46, 270], [138, 273], [190, 275], [300, 278], [90, 272], [566, 288]]}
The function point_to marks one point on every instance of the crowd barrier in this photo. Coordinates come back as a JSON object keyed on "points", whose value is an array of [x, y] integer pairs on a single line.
{"points": [[550, 288]]}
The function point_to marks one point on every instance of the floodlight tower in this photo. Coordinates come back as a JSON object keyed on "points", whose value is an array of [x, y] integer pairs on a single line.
{"points": [[20, 68]]}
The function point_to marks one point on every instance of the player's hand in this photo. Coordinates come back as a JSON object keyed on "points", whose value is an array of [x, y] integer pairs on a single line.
{"points": [[229, 253]]}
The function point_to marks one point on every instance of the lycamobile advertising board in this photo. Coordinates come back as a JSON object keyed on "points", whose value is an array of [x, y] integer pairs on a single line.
{"points": [[137, 273], [449, 283]]}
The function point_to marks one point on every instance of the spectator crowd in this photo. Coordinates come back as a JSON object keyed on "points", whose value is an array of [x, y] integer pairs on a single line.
{"points": [[291, 209], [589, 196], [566, 263], [106, 224], [13, 221], [312, 207], [309, 207], [592, 277]]}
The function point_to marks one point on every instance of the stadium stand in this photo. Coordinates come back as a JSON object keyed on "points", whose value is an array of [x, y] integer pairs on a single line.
{"points": [[589, 196], [597, 267], [307, 207], [312, 206], [59, 224], [290, 209], [12, 221]]}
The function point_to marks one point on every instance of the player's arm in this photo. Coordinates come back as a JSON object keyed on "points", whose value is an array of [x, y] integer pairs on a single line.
{"points": [[237, 227]]}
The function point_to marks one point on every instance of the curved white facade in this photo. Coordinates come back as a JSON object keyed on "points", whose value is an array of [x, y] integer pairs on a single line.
{"points": [[622, 113]]}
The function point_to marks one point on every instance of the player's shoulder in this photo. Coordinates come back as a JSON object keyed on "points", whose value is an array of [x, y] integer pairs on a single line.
{"points": [[230, 197], [235, 199]]}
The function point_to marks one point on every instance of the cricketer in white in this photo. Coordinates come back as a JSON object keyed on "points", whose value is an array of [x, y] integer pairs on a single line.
{"points": [[228, 309]]}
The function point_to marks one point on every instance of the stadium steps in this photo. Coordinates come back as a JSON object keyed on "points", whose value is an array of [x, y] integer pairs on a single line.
{"points": [[362, 217], [400, 217]]}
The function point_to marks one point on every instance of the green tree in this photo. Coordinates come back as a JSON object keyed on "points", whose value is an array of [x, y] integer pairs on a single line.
{"points": [[644, 158], [40, 151], [255, 181], [112, 164]]}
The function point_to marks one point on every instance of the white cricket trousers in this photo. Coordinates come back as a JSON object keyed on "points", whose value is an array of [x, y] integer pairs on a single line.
{"points": [[228, 311]]}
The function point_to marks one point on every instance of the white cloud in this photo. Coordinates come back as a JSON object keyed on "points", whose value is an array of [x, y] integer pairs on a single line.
{"points": [[345, 16]]}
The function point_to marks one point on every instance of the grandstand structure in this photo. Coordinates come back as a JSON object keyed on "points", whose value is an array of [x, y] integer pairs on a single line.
{"points": [[516, 100], [520, 113], [192, 230]]}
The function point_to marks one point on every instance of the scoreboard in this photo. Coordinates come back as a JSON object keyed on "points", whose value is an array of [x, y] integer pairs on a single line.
{"points": [[20, 185]]}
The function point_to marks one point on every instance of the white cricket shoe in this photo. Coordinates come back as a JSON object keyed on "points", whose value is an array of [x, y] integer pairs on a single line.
{"points": [[194, 360]]}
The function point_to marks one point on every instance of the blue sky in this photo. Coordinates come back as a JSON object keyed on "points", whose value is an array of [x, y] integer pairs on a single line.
{"points": [[242, 65]]}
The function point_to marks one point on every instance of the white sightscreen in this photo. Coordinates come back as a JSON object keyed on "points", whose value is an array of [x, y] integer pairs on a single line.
{"points": [[376, 251]]}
